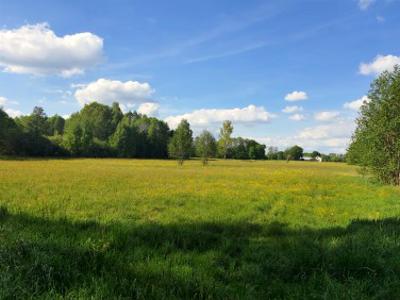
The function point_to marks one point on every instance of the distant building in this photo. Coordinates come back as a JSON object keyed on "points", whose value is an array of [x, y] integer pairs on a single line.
{"points": [[309, 158]]}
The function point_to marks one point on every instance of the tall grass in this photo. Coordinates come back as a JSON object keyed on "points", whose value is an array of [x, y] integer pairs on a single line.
{"points": [[145, 229]]}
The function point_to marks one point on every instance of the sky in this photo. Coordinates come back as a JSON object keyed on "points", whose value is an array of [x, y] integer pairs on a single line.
{"points": [[285, 72]]}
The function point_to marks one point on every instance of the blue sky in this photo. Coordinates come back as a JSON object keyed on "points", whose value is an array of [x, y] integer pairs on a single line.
{"points": [[203, 60]]}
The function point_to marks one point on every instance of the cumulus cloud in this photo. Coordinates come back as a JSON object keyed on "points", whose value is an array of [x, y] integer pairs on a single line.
{"points": [[333, 137], [13, 112], [36, 49], [356, 104], [379, 64], [3, 101], [292, 109], [148, 108], [326, 116], [107, 91], [364, 4], [204, 117], [297, 117], [296, 96]]}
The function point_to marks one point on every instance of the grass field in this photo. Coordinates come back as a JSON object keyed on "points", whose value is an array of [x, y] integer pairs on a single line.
{"points": [[106, 229]]}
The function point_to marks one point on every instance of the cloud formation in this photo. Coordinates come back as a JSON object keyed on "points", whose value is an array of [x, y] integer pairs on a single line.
{"points": [[296, 96], [326, 116], [334, 137], [10, 111], [107, 91], [36, 49], [292, 109], [13, 112], [356, 104], [364, 4], [149, 108], [204, 117], [297, 117], [379, 64]]}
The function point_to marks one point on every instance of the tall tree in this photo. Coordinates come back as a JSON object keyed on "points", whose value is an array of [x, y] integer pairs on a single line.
{"points": [[225, 139], [206, 146], [294, 153], [55, 125], [376, 141], [117, 115], [180, 146], [9, 134]]}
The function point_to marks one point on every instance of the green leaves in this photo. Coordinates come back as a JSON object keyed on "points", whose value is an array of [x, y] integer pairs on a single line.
{"points": [[376, 141]]}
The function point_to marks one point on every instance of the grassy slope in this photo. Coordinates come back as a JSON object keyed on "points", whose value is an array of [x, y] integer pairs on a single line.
{"points": [[150, 229]]}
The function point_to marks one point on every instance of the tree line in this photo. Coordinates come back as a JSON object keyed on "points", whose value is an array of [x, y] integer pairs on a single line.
{"points": [[98, 130]]}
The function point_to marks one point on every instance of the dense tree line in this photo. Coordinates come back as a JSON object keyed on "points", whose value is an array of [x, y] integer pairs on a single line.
{"points": [[99, 130]]}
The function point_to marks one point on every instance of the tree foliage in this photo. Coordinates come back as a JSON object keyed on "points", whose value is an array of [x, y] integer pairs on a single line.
{"points": [[294, 153], [375, 143], [206, 146], [99, 130], [225, 139], [180, 146]]}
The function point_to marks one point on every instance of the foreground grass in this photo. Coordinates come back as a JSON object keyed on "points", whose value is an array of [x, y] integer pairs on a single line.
{"points": [[232, 230]]}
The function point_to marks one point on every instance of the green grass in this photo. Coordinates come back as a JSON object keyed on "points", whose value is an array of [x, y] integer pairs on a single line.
{"points": [[148, 229]]}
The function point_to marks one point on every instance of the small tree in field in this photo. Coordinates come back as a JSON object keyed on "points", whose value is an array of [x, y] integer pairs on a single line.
{"points": [[206, 146], [180, 146], [225, 139], [376, 141]]}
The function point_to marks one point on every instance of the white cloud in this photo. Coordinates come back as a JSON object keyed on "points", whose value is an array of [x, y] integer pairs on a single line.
{"points": [[326, 115], [107, 91], [297, 117], [148, 108], [36, 49], [3, 101], [296, 96], [381, 63], [364, 4], [204, 117], [292, 109], [356, 104], [13, 113], [327, 138]]}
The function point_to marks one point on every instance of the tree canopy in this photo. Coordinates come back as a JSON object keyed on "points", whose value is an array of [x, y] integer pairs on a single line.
{"points": [[98, 130], [181, 144], [375, 143]]}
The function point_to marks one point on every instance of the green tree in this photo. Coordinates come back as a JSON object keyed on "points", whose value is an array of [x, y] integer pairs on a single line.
{"points": [[294, 153], [225, 139], [206, 146], [116, 115], [55, 125], [375, 143], [34, 124], [98, 119], [9, 134], [180, 146], [315, 154], [125, 139]]}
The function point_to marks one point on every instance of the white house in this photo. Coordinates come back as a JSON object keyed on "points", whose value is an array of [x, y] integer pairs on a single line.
{"points": [[309, 158]]}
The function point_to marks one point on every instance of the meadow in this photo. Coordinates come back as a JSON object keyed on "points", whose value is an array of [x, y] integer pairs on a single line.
{"points": [[150, 229]]}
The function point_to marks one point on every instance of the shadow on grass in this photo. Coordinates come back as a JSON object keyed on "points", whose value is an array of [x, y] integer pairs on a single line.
{"points": [[42, 258]]}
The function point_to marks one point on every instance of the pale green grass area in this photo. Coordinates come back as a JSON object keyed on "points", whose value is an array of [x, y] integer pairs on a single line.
{"points": [[150, 229], [297, 193]]}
